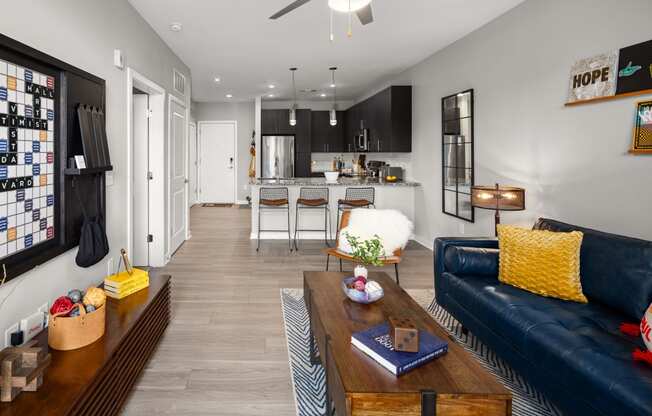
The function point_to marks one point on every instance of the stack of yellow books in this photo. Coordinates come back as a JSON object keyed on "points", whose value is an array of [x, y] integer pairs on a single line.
{"points": [[123, 284]]}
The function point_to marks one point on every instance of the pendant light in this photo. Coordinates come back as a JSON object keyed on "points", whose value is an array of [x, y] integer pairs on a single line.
{"points": [[293, 109], [333, 111]]}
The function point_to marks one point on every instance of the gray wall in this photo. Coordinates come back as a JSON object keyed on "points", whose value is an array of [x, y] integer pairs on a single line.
{"points": [[573, 161], [243, 114], [85, 35]]}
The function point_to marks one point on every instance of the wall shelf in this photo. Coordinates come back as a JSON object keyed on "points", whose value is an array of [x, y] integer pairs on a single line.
{"points": [[609, 98]]}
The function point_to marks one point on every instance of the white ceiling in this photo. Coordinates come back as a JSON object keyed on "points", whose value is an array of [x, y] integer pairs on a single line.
{"points": [[235, 40]]}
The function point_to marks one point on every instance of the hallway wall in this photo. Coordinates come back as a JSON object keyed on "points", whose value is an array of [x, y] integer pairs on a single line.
{"points": [[85, 35]]}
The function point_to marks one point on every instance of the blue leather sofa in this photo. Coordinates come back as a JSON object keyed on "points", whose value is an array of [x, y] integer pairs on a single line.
{"points": [[574, 353]]}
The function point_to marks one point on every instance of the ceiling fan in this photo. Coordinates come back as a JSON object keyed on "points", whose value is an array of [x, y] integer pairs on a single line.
{"points": [[362, 8]]}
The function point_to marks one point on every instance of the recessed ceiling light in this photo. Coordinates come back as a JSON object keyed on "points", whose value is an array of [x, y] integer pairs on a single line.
{"points": [[332, 85], [217, 80], [229, 95], [322, 94], [271, 86], [176, 27], [271, 95]]}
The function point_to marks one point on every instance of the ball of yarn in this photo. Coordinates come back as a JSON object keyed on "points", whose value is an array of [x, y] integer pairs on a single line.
{"points": [[75, 295], [90, 308], [62, 304], [94, 296]]}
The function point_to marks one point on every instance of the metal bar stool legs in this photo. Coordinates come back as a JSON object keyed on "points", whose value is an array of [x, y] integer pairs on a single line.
{"points": [[312, 198], [355, 198], [274, 199]]}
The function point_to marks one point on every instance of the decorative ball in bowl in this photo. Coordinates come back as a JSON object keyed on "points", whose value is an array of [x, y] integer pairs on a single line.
{"points": [[361, 290]]}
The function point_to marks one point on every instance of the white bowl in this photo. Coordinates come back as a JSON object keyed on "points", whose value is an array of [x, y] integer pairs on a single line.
{"points": [[331, 176]]}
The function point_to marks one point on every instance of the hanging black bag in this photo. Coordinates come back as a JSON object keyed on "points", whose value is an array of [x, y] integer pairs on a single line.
{"points": [[93, 244]]}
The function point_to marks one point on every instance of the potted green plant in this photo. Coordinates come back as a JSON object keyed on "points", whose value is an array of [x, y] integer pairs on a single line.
{"points": [[367, 252]]}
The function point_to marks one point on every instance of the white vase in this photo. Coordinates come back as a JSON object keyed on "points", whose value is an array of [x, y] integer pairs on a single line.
{"points": [[360, 271]]}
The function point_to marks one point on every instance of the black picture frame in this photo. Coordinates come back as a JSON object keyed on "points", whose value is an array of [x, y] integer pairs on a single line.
{"points": [[458, 154], [71, 85]]}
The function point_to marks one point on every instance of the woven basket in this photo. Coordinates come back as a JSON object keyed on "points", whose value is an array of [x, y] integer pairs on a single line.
{"points": [[69, 333]]}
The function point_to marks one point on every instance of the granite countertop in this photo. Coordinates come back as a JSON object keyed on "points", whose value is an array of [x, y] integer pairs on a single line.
{"points": [[323, 182]]}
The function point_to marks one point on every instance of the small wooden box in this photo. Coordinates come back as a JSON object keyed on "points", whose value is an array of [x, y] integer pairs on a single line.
{"points": [[404, 334]]}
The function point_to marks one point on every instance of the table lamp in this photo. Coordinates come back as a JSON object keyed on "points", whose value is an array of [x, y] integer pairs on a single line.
{"points": [[498, 198]]}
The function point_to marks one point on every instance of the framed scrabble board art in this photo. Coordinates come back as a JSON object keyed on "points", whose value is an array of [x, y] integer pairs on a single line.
{"points": [[28, 105], [40, 135]]}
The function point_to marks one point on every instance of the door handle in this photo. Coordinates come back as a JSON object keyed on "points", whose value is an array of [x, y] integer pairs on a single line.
{"points": [[230, 163]]}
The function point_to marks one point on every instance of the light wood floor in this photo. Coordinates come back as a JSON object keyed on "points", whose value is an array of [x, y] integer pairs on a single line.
{"points": [[225, 350]]}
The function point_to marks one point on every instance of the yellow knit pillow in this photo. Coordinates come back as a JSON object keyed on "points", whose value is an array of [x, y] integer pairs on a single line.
{"points": [[543, 262]]}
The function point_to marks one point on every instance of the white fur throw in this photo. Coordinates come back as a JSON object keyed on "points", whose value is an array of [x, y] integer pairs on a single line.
{"points": [[392, 227]]}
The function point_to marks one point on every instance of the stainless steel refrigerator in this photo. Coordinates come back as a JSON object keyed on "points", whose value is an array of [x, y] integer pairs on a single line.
{"points": [[277, 157]]}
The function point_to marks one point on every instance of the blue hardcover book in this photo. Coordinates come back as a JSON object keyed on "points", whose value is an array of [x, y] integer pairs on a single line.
{"points": [[376, 343]]}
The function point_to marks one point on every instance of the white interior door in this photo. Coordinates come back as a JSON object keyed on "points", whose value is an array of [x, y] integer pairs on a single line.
{"points": [[193, 186], [217, 162], [178, 158], [140, 190]]}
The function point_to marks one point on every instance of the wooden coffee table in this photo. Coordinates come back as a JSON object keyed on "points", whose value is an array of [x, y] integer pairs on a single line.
{"points": [[454, 384]]}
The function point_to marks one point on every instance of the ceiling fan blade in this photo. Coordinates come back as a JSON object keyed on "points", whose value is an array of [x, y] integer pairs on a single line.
{"points": [[288, 9], [365, 15]]}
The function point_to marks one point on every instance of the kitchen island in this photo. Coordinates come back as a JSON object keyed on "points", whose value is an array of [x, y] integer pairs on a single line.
{"points": [[388, 195]]}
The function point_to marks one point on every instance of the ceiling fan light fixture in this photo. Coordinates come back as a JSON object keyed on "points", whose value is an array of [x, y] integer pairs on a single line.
{"points": [[347, 6]]}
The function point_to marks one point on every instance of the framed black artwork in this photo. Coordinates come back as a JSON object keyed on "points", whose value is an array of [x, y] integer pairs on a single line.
{"points": [[457, 155]]}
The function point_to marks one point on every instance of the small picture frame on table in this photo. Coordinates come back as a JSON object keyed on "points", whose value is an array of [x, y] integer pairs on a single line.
{"points": [[80, 162], [642, 140]]}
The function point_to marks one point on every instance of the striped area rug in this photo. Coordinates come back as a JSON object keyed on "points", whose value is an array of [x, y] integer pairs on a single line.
{"points": [[309, 382]]}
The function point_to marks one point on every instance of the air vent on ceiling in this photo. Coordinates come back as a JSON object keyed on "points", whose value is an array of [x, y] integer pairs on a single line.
{"points": [[179, 81]]}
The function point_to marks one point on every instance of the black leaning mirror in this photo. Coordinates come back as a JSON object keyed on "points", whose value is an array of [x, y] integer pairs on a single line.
{"points": [[457, 155]]}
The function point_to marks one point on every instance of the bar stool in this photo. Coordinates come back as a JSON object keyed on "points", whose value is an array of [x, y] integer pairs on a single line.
{"points": [[312, 198], [275, 198], [355, 198]]}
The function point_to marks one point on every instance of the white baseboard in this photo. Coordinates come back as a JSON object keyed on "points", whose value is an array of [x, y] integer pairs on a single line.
{"points": [[427, 243], [242, 202]]}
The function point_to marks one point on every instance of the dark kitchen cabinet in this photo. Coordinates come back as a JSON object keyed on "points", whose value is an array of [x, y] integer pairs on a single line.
{"points": [[388, 116], [324, 137], [351, 127], [270, 122], [302, 168], [302, 131], [400, 110]]}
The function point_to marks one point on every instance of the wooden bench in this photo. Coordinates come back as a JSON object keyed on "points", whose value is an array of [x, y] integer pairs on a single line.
{"points": [[97, 379]]}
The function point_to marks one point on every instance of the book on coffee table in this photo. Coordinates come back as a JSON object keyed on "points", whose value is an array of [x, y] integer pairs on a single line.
{"points": [[376, 343]]}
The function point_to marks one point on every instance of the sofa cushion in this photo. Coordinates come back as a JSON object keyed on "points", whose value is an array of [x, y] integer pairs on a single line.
{"points": [[580, 342], [543, 262], [471, 260], [614, 270]]}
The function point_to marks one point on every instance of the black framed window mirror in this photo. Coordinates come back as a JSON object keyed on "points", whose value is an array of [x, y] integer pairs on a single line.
{"points": [[457, 155]]}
